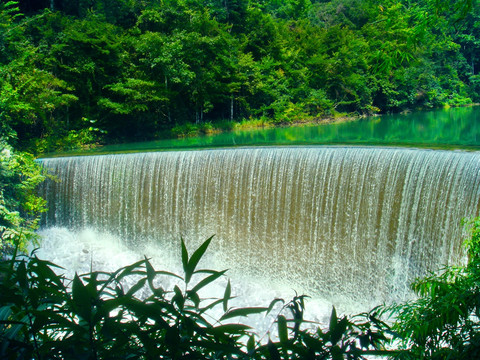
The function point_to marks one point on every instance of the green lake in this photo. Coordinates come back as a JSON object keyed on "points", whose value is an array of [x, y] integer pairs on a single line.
{"points": [[454, 128]]}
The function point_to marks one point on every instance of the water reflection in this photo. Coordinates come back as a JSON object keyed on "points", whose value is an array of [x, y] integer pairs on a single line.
{"points": [[446, 128]]}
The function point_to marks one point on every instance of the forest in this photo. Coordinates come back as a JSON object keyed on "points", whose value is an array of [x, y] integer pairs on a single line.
{"points": [[80, 72]]}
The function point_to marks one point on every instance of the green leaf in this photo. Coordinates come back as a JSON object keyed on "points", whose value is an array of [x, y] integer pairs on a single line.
{"points": [[168, 273], [314, 343], [197, 317], [272, 304], [251, 343], [239, 329], [193, 296], [13, 330], [208, 280], [178, 297], [184, 257], [151, 273], [137, 286], [81, 298], [128, 270], [338, 331], [193, 261], [226, 296], [272, 349], [333, 319], [337, 353], [22, 275], [43, 269], [210, 306], [218, 347], [5, 312], [282, 329], [242, 312]]}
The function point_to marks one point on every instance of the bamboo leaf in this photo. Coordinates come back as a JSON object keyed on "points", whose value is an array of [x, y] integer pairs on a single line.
{"points": [[336, 353], [208, 280], [251, 343], [272, 349], [22, 275], [5, 312], [242, 312], [272, 304], [193, 296], [333, 319], [282, 329], [151, 273], [314, 343], [226, 296], [338, 331], [184, 257], [168, 273], [239, 329], [13, 330], [137, 286], [218, 347], [211, 305], [193, 261], [178, 297], [133, 269], [81, 298]]}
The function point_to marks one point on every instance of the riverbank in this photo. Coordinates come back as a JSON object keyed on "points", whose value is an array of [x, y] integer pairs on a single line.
{"points": [[438, 128], [210, 128]]}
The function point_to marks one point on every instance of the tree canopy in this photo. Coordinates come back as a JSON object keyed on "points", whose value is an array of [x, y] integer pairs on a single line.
{"points": [[74, 71]]}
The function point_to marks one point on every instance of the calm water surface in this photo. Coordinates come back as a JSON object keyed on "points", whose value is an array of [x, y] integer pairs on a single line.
{"points": [[447, 128]]}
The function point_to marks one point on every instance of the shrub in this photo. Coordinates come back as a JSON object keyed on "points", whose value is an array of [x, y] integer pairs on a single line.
{"points": [[43, 315], [443, 323], [20, 207]]}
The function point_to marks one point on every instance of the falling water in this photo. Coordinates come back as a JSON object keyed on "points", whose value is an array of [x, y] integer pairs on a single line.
{"points": [[356, 223]]}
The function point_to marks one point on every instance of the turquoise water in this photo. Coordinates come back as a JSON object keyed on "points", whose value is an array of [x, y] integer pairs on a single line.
{"points": [[455, 128]]}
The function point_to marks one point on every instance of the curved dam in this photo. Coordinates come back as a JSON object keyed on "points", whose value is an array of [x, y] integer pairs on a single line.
{"points": [[358, 223]]}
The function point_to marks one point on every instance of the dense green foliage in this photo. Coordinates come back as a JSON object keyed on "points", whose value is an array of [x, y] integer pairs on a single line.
{"points": [[20, 207], [444, 323], [104, 316], [74, 72]]}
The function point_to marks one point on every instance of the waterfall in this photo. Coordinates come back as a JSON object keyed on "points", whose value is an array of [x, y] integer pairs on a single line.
{"points": [[353, 222]]}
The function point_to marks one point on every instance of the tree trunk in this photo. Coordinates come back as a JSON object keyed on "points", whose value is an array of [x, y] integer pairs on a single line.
{"points": [[168, 103]]}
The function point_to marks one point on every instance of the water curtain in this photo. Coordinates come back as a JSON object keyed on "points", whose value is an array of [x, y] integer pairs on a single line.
{"points": [[355, 222]]}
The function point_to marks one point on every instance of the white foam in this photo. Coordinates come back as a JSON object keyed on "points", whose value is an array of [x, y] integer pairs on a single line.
{"points": [[87, 250]]}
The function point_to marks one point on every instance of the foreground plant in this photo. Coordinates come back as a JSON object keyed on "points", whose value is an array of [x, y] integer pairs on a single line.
{"points": [[43, 315], [444, 322]]}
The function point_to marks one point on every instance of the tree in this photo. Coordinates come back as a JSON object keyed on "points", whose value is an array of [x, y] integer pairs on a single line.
{"points": [[86, 54], [28, 95]]}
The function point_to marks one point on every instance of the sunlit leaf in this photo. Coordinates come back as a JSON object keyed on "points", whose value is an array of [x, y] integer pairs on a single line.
{"points": [[193, 261]]}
